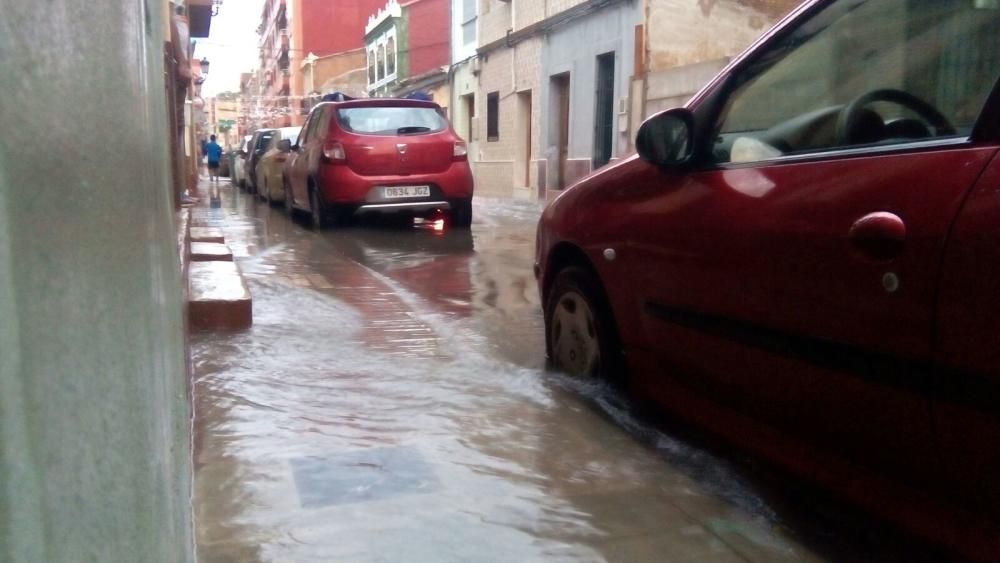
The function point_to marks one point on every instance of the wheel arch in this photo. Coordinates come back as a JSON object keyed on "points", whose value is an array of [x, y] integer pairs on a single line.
{"points": [[564, 255], [568, 255]]}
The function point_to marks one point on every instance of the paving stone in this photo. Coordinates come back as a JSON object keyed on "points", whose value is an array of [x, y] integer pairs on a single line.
{"points": [[219, 297], [210, 252], [206, 234]]}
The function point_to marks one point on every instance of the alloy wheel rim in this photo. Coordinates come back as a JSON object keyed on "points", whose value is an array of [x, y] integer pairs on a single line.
{"points": [[575, 345]]}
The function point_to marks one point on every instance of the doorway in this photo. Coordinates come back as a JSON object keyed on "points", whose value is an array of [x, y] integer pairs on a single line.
{"points": [[604, 109], [560, 84], [522, 159], [466, 116]]}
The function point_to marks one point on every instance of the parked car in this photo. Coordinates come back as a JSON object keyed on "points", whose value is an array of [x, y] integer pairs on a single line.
{"points": [[270, 169], [240, 162], [803, 260], [378, 156], [255, 150]]}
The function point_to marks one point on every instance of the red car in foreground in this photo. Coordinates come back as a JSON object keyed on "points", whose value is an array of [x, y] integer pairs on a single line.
{"points": [[378, 155], [805, 259]]}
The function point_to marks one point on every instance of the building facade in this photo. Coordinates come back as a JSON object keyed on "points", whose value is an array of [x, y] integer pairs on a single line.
{"points": [[465, 70], [587, 66], [407, 50], [556, 89], [691, 44], [293, 32], [224, 116]]}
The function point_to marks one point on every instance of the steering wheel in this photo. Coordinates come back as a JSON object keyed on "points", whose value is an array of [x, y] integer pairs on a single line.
{"points": [[854, 113]]}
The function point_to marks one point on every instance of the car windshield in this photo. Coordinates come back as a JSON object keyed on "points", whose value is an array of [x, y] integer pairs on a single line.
{"points": [[391, 120], [264, 139], [290, 134]]}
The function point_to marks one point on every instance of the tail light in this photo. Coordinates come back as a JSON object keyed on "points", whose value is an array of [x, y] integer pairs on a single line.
{"points": [[333, 151], [461, 151]]}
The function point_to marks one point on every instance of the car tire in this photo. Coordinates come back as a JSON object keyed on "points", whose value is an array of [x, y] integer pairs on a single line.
{"points": [[461, 214], [289, 206], [316, 210], [581, 339]]}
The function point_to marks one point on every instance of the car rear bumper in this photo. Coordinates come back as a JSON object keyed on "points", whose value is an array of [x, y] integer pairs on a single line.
{"points": [[407, 207], [342, 186]]}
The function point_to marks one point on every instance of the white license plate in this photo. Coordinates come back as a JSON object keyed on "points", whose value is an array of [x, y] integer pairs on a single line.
{"points": [[393, 192]]}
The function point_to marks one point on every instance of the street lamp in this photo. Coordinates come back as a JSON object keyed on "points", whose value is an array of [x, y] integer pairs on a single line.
{"points": [[204, 66]]}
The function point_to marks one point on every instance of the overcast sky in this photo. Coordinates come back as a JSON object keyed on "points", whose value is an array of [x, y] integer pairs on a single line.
{"points": [[231, 47]]}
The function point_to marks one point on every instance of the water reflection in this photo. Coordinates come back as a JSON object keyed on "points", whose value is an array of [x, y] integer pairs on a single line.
{"points": [[389, 405]]}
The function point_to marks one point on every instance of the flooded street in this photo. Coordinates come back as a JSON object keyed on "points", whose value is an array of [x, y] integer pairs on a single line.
{"points": [[390, 404]]}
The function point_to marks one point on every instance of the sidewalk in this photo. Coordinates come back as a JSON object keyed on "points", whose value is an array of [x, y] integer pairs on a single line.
{"points": [[216, 293]]}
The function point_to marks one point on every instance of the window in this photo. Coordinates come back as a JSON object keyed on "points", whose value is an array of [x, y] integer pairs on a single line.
{"points": [[493, 116], [875, 72], [390, 54], [391, 120], [469, 22], [381, 61], [307, 128], [311, 127]]}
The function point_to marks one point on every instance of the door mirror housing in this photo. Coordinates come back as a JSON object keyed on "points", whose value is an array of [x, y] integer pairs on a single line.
{"points": [[285, 145], [667, 138]]}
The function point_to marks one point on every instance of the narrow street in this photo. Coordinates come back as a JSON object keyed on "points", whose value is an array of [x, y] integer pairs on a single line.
{"points": [[390, 404]]}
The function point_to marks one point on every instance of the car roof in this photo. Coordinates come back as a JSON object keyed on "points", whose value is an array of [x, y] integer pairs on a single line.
{"points": [[381, 103]]}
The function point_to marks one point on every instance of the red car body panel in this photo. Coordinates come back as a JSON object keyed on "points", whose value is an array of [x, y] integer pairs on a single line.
{"points": [[375, 161], [747, 302]]}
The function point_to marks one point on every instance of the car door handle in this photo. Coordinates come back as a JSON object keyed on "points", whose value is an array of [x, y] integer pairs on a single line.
{"points": [[878, 236]]}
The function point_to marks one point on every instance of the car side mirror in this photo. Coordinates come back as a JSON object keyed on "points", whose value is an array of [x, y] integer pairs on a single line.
{"points": [[285, 145], [667, 138]]}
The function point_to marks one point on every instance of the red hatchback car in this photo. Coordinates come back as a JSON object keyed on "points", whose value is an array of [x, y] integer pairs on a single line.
{"points": [[378, 155], [805, 259]]}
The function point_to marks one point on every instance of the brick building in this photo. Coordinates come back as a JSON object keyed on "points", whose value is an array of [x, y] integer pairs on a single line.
{"points": [[293, 30], [557, 88], [408, 48]]}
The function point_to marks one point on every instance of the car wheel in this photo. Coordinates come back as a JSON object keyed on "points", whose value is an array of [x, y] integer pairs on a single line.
{"points": [[289, 206], [317, 211], [580, 336], [461, 214]]}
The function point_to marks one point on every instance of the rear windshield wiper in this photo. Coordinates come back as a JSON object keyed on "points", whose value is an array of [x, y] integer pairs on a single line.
{"points": [[412, 130]]}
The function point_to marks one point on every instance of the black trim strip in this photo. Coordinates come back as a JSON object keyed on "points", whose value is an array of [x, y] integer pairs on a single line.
{"points": [[980, 392]]}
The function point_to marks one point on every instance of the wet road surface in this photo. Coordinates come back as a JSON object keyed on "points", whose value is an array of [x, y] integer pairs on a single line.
{"points": [[390, 404]]}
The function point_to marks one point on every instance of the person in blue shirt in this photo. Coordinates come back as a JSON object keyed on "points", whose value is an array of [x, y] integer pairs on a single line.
{"points": [[214, 153]]}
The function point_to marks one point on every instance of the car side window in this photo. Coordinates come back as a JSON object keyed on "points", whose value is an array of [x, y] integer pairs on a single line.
{"points": [[323, 123], [309, 129], [864, 73], [304, 135]]}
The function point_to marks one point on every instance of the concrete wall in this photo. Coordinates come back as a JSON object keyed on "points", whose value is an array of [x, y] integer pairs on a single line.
{"points": [[574, 49], [508, 72], [428, 27], [687, 43], [94, 418]]}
